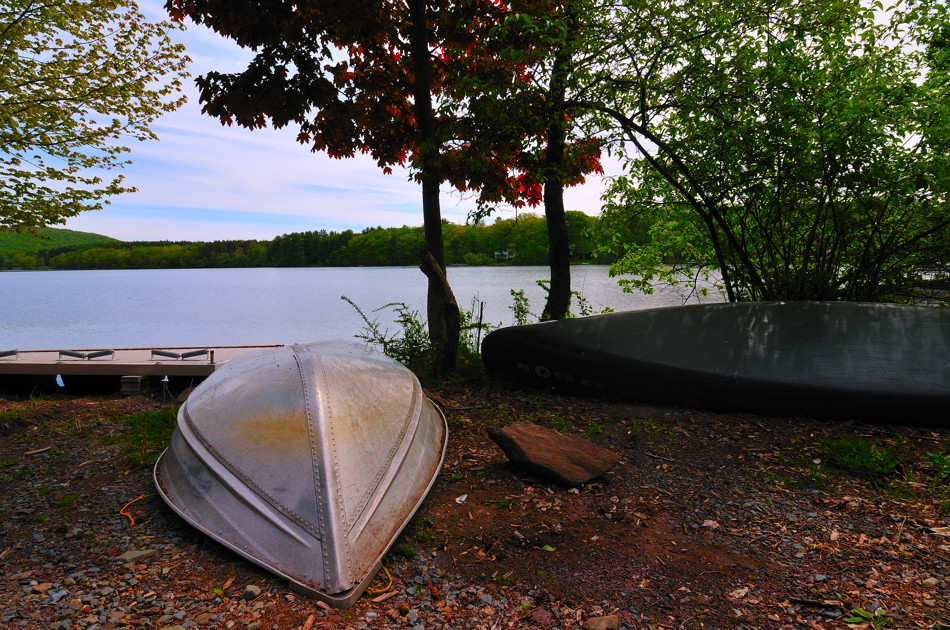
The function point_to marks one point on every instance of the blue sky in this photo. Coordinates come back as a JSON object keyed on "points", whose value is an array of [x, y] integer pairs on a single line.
{"points": [[203, 181]]}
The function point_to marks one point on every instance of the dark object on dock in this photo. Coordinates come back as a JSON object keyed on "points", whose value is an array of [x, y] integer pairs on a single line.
{"points": [[10, 353], [567, 459], [85, 356], [307, 460], [181, 355], [825, 359]]}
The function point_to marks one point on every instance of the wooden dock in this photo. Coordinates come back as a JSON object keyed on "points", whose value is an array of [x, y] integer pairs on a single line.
{"points": [[164, 361]]}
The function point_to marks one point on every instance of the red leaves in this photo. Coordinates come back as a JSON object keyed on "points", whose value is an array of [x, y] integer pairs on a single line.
{"points": [[343, 72]]}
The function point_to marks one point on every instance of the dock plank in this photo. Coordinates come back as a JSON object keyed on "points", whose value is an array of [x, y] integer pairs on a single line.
{"points": [[123, 361]]}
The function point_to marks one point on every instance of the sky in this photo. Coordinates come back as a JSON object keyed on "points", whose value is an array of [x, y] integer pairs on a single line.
{"points": [[202, 181]]}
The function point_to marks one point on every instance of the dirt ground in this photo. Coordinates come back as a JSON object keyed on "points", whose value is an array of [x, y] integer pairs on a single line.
{"points": [[709, 521]]}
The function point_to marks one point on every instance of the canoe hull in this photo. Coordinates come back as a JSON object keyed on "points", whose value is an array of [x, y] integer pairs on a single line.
{"points": [[829, 359]]}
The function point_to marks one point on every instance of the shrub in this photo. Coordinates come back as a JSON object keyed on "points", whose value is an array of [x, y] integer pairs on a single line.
{"points": [[859, 455]]}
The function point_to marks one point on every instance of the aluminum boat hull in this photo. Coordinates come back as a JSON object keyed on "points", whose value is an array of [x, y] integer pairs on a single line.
{"points": [[827, 359], [307, 460]]}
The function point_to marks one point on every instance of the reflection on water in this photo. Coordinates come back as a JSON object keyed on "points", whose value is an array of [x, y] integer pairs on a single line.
{"points": [[203, 307]]}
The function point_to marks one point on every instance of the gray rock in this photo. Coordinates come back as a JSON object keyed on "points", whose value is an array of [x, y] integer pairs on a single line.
{"points": [[567, 459], [251, 591], [133, 555]]}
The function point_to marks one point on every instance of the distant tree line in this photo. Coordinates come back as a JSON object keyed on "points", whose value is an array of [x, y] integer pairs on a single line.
{"points": [[518, 241]]}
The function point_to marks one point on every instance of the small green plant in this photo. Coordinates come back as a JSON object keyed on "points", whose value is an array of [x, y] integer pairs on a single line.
{"points": [[650, 427], [146, 435], [584, 307], [769, 475], [40, 518], [876, 619], [13, 415], [812, 476], [503, 503], [593, 431], [37, 396], [559, 423], [66, 501], [898, 491], [404, 549], [521, 309], [422, 529], [859, 455], [507, 579], [941, 464], [474, 328]]}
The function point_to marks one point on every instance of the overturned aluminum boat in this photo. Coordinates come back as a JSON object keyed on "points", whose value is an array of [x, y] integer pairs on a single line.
{"points": [[307, 460]]}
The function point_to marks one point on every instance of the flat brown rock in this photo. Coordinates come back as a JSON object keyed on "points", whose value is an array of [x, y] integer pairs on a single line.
{"points": [[568, 459]]}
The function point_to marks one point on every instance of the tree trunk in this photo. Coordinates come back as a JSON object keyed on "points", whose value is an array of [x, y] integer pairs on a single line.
{"points": [[442, 310], [559, 252]]}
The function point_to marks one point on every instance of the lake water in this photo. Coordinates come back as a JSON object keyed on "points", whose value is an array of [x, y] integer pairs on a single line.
{"points": [[207, 307]]}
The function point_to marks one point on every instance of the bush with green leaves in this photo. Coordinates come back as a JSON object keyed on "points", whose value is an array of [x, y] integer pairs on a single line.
{"points": [[521, 306], [410, 343], [859, 455], [790, 150]]}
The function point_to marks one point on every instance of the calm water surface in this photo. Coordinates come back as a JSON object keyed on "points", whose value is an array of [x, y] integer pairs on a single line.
{"points": [[205, 307]]}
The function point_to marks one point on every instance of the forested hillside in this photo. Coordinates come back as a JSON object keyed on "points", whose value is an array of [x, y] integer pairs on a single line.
{"points": [[49, 238], [520, 241]]}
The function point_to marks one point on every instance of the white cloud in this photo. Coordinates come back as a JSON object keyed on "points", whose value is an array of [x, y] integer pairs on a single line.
{"points": [[203, 181]]}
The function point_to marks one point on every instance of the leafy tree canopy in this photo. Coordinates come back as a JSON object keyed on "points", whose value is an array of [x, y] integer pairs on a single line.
{"points": [[78, 80], [800, 149], [528, 120]]}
